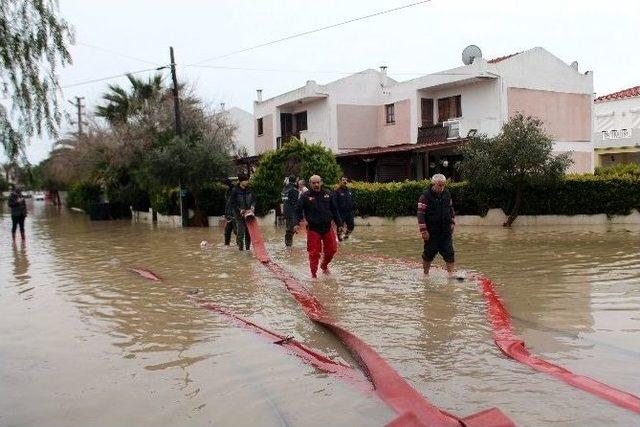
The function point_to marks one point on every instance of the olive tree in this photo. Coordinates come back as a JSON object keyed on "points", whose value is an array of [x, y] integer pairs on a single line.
{"points": [[520, 155]]}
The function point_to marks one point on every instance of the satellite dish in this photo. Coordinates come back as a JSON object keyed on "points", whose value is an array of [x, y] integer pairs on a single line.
{"points": [[470, 53]]}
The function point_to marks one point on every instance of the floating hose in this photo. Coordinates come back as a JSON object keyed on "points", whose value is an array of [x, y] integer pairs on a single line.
{"points": [[309, 356], [413, 409], [514, 347]]}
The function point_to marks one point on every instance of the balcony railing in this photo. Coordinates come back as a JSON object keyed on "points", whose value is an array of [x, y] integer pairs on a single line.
{"points": [[281, 141], [432, 133]]}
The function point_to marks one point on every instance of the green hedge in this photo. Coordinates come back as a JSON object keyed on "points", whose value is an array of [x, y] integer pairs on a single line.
{"points": [[629, 170], [82, 194], [586, 194], [167, 202]]}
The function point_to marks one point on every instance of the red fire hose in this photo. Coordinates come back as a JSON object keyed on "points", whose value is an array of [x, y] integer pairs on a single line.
{"points": [[514, 347], [413, 409], [306, 354]]}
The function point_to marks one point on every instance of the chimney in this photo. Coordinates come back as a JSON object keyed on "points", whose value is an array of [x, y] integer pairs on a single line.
{"points": [[259, 93], [383, 78], [222, 106]]}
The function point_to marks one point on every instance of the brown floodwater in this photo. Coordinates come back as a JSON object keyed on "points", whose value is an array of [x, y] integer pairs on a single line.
{"points": [[83, 342]]}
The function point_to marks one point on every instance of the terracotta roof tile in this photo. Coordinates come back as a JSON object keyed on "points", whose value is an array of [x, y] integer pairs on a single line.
{"points": [[400, 148], [622, 94], [502, 58]]}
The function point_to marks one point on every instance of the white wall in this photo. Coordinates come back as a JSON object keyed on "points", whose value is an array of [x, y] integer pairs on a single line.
{"points": [[541, 70], [618, 114], [360, 89], [480, 104], [244, 122]]}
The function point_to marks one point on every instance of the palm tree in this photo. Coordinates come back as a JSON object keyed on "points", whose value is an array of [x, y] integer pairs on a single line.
{"points": [[124, 106]]}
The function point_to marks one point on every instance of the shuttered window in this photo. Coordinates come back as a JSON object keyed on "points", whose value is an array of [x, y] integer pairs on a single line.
{"points": [[449, 108]]}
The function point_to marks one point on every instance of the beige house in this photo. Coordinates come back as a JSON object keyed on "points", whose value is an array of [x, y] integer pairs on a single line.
{"points": [[384, 130]]}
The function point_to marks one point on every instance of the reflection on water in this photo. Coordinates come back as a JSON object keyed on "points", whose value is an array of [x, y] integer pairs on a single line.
{"points": [[88, 343], [21, 266]]}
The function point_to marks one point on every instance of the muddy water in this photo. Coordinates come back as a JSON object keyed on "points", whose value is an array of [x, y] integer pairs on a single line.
{"points": [[85, 342]]}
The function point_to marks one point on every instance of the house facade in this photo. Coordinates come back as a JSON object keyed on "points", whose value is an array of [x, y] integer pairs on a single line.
{"points": [[384, 130], [244, 129], [616, 135]]}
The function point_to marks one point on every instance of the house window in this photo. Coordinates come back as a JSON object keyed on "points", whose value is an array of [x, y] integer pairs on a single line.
{"points": [[301, 121], [260, 127], [390, 113], [427, 112], [449, 108]]}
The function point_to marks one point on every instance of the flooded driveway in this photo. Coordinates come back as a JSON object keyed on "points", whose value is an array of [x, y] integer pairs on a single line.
{"points": [[85, 342]]}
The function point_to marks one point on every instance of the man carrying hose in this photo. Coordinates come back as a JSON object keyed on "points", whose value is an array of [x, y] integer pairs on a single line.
{"points": [[319, 209], [436, 220]]}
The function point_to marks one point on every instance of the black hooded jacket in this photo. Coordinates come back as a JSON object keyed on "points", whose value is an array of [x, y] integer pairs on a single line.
{"points": [[319, 209]]}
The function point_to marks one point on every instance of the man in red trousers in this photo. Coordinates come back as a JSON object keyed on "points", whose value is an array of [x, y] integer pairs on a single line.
{"points": [[319, 209]]}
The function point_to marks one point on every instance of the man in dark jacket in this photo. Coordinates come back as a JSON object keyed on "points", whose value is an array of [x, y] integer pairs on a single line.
{"points": [[290, 204], [344, 202], [319, 209], [242, 204], [18, 211], [230, 226], [436, 220]]}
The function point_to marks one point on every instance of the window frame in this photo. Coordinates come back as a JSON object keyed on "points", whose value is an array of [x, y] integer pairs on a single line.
{"points": [[390, 113], [260, 125], [452, 105]]}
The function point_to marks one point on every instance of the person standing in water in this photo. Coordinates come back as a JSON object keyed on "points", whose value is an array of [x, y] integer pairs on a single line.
{"points": [[230, 225], [18, 212], [243, 204], [344, 202], [436, 222], [319, 209], [290, 198]]}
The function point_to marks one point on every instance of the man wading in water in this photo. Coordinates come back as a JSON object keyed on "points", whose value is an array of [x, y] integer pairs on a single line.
{"points": [[18, 211], [436, 220], [243, 205], [290, 198], [319, 209], [344, 202]]}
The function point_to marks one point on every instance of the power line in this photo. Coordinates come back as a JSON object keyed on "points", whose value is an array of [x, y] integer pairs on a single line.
{"points": [[86, 82], [304, 33], [238, 51], [223, 67], [116, 53]]}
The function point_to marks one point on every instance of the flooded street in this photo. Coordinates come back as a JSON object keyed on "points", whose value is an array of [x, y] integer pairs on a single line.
{"points": [[83, 341]]}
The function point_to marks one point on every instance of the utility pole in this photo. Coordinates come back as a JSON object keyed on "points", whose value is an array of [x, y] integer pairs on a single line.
{"points": [[184, 213], [176, 97], [79, 106]]}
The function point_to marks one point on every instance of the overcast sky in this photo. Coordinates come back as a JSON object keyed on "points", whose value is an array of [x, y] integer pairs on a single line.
{"points": [[601, 35]]}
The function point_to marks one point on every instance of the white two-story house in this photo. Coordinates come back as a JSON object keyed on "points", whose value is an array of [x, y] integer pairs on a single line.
{"points": [[381, 129]]}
